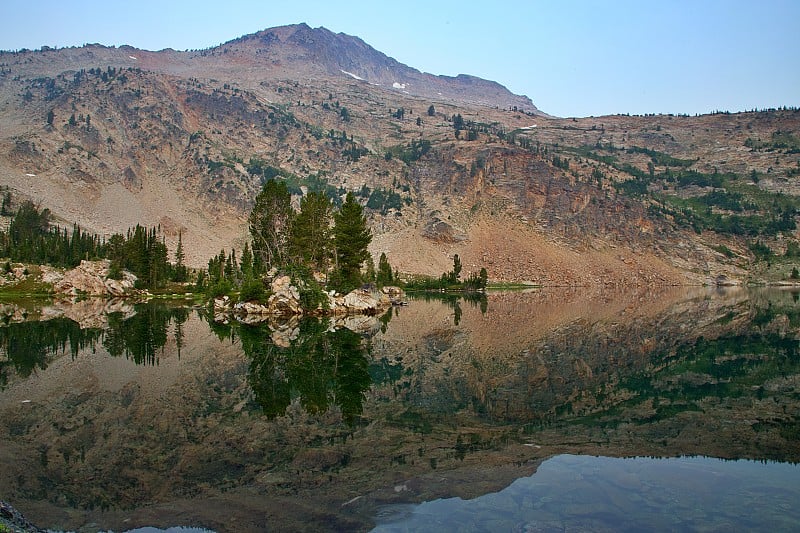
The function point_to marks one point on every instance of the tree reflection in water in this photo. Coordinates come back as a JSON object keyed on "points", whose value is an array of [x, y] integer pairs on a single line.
{"points": [[141, 337], [26, 345], [307, 360], [453, 301]]}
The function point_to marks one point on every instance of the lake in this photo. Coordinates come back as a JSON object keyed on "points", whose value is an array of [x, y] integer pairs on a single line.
{"points": [[582, 409]]}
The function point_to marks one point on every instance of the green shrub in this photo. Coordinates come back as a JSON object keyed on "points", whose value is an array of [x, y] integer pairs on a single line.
{"points": [[220, 288], [253, 290], [312, 295]]}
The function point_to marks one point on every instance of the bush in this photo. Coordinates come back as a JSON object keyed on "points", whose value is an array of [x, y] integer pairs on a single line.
{"points": [[312, 295], [220, 288], [760, 250], [252, 290]]}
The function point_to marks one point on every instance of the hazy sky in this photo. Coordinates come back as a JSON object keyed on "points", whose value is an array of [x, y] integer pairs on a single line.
{"points": [[571, 57]]}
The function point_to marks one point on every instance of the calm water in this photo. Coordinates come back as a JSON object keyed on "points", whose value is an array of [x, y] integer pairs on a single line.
{"points": [[585, 493], [554, 410]]}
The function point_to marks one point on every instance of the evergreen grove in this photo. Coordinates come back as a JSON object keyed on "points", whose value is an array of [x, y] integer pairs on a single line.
{"points": [[315, 239], [31, 238]]}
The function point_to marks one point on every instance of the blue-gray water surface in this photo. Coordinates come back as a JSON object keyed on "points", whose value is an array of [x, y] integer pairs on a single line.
{"points": [[552, 410], [587, 493]]}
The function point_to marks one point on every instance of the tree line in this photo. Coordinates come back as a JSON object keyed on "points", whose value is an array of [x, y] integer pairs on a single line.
{"points": [[32, 237], [319, 246], [451, 281]]}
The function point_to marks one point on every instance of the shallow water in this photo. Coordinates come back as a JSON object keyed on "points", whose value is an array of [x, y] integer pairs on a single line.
{"points": [[517, 412]]}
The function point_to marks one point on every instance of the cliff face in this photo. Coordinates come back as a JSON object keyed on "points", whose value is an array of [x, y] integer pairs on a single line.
{"points": [[112, 137]]}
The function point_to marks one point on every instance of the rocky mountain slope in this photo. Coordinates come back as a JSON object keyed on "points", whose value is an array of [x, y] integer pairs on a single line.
{"points": [[112, 137]]}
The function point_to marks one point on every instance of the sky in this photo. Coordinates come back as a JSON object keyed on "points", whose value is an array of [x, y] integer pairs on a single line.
{"points": [[571, 57]]}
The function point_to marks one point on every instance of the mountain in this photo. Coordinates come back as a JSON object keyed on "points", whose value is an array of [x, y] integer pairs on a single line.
{"points": [[302, 51], [111, 137], [287, 52]]}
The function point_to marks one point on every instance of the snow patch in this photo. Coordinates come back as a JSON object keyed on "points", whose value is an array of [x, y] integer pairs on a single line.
{"points": [[399, 85], [529, 127], [31, 175], [351, 75], [132, 58]]}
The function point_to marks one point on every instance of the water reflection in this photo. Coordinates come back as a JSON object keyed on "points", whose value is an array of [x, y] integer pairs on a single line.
{"points": [[455, 300], [29, 337], [325, 423], [308, 360], [583, 493], [26, 345], [142, 335]]}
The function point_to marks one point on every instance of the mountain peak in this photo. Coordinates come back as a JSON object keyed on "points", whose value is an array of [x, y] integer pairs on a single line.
{"points": [[306, 50]]}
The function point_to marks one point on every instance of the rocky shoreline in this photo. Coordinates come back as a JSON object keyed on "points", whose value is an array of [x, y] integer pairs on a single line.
{"points": [[91, 278], [13, 520], [285, 301]]}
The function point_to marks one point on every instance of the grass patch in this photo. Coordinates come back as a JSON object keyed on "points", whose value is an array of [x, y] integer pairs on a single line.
{"points": [[511, 286]]}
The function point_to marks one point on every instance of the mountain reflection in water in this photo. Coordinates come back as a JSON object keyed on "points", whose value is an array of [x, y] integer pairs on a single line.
{"points": [[583, 493], [154, 415]]}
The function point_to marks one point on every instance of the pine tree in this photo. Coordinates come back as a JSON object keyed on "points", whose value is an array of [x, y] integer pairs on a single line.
{"points": [[6, 207], [246, 262], [384, 276], [180, 267], [310, 235], [351, 238], [456, 272], [269, 221], [369, 275]]}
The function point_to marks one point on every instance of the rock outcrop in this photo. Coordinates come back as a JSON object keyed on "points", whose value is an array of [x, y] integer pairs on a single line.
{"points": [[285, 298], [360, 301], [285, 301], [13, 520], [89, 278]]}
